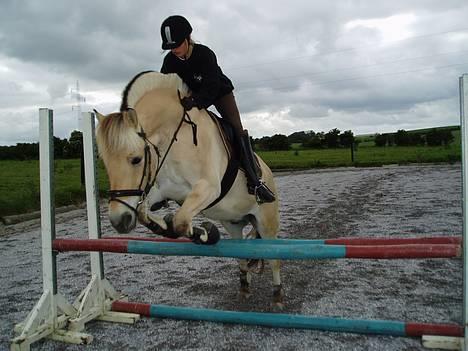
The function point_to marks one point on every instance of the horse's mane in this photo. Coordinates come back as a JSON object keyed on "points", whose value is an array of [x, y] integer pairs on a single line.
{"points": [[146, 81], [117, 133]]}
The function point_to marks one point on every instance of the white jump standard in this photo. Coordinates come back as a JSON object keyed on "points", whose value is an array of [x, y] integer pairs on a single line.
{"points": [[53, 317]]}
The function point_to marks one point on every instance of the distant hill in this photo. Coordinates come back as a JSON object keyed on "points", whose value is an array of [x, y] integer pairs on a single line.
{"points": [[431, 136], [424, 130]]}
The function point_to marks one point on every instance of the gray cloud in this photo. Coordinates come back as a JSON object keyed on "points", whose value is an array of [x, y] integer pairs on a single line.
{"points": [[299, 64]]}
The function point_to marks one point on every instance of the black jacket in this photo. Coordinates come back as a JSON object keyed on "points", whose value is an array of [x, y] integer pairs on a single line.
{"points": [[201, 73]]}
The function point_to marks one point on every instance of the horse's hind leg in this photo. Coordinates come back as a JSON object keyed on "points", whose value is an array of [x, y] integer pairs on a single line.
{"points": [[267, 225], [235, 230]]}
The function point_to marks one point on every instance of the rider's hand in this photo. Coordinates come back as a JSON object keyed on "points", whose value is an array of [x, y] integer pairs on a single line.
{"points": [[188, 103]]}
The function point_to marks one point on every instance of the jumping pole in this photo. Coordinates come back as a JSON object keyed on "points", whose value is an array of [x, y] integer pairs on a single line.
{"points": [[258, 250], [360, 241], [282, 320]]}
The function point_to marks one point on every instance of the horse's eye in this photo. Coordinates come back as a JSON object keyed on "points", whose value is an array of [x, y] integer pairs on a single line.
{"points": [[136, 160]]}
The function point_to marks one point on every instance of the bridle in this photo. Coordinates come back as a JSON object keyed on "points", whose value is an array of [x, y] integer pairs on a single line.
{"points": [[114, 195], [142, 192]]}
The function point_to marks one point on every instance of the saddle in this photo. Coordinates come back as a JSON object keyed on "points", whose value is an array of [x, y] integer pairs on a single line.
{"points": [[230, 141], [233, 150], [233, 153], [227, 135]]}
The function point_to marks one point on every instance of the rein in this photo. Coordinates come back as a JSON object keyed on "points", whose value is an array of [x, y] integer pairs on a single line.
{"points": [[114, 195]]}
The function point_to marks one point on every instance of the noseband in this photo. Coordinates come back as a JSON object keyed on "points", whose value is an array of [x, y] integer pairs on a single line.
{"points": [[114, 195]]}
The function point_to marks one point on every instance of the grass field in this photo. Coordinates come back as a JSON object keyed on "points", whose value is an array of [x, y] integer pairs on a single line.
{"points": [[19, 185], [363, 156], [19, 180]]}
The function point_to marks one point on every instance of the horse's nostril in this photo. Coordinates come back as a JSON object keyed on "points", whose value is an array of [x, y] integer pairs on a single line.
{"points": [[123, 223], [126, 219]]}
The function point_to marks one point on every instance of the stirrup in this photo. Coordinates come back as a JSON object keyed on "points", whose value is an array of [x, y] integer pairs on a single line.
{"points": [[263, 194]]}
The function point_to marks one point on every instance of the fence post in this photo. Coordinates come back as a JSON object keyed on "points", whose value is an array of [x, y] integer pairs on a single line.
{"points": [[464, 141], [92, 190]]}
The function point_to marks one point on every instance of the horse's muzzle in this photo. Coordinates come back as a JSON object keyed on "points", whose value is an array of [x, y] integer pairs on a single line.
{"points": [[124, 222]]}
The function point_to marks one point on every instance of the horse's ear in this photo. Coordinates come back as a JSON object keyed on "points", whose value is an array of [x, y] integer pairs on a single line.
{"points": [[99, 116], [132, 117]]}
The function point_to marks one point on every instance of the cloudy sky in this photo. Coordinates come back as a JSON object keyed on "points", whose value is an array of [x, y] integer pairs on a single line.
{"points": [[366, 66]]}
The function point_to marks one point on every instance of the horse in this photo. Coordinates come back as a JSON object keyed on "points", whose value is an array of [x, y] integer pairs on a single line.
{"points": [[153, 151]]}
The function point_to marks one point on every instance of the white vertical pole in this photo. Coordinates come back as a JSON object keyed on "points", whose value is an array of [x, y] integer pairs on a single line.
{"points": [[92, 193], [46, 168], [464, 139]]}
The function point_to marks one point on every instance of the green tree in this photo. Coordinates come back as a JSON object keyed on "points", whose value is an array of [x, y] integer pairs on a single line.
{"points": [[317, 141], [299, 137], [380, 139], [278, 142], [26, 151], [60, 147], [434, 138], [332, 138], [417, 139], [402, 138], [447, 137], [75, 145], [346, 138]]}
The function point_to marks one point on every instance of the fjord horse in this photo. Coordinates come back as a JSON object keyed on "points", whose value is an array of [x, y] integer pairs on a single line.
{"points": [[154, 151]]}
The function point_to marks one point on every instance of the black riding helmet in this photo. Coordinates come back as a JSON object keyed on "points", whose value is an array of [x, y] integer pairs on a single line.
{"points": [[174, 30]]}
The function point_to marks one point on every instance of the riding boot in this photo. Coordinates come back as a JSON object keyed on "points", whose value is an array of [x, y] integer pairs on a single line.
{"points": [[254, 184]]}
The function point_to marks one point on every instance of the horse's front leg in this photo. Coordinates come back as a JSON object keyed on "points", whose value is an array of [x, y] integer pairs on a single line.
{"points": [[149, 219], [202, 194]]}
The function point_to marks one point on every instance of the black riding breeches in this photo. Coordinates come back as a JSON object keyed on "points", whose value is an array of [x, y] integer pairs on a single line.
{"points": [[227, 107]]}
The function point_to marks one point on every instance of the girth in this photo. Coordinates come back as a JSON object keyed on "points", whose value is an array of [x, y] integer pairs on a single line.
{"points": [[233, 159]]}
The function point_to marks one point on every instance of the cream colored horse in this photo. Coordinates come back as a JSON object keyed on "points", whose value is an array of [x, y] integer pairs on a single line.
{"points": [[190, 174]]}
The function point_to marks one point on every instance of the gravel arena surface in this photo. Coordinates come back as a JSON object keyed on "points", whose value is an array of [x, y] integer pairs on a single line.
{"points": [[389, 201]]}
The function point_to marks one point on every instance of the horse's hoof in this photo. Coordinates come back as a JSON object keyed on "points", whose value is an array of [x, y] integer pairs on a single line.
{"points": [[256, 266], [277, 306], [213, 232], [278, 296], [244, 289], [208, 234], [244, 294], [170, 232], [155, 228]]}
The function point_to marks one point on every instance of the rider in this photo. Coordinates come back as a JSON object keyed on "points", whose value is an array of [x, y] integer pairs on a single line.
{"points": [[197, 66]]}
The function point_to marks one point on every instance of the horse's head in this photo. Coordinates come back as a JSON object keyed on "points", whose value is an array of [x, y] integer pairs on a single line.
{"points": [[122, 149], [127, 152]]}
